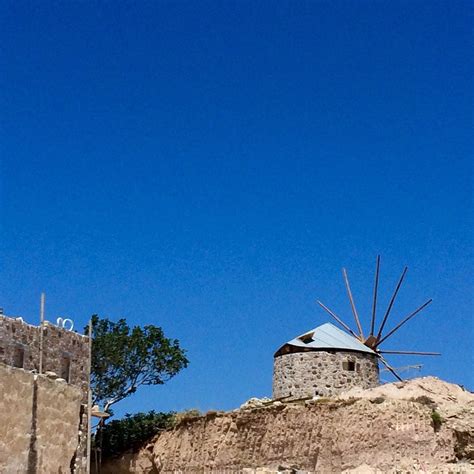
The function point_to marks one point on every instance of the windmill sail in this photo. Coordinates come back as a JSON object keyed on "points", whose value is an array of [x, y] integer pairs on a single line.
{"points": [[374, 341]]}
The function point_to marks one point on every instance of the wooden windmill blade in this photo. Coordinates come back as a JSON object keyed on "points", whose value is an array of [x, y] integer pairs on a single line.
{"points": [[374, 341], [374, 304], [351, 299], [338, 319], [411, 353], [391, 369], [411, 315], [405, 368], [392, 300]]}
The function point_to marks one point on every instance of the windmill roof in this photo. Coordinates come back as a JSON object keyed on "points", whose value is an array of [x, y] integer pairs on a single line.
{"points": [[328, 336]]}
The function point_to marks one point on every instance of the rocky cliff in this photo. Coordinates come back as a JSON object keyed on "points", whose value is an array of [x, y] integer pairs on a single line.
{"points": [[422, 425]]}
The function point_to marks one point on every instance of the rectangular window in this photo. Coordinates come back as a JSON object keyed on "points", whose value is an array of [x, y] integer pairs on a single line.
{"points": [[65, 368], [18, 357], [348, 365]]}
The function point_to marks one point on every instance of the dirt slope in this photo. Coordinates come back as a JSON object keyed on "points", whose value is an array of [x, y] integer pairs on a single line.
{"points": [[422, 425]]}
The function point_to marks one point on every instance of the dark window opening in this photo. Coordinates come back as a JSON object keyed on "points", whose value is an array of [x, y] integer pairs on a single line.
{"points": [[18, 357], [65, 368], [307, 338], [348, 365]]}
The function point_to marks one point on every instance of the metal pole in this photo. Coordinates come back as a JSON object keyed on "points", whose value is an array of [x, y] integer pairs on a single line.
{"points": [[89, 402], [41, 332]]}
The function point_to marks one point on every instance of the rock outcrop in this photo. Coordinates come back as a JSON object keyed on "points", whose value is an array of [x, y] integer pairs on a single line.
{"points": [[422, 425]]}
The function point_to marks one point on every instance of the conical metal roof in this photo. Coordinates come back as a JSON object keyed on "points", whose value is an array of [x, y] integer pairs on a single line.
{"points": [[328, 336]]}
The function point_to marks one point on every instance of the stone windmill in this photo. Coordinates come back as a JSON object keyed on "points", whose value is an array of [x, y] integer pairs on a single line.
{"points": [[327, 360]]}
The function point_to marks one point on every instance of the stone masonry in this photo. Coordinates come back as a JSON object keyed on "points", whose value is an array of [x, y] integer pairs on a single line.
{"points": [[322, 373], [64, 352], [39, 422], [44, 423]]}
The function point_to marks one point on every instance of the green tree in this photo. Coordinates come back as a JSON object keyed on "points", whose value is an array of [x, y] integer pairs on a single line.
{"points": [[123, 359], [133, 431]]}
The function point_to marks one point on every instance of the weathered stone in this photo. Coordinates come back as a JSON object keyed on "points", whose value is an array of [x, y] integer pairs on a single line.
{"points": [[65, 353], [306, 374], [65, 358], [39, 422]]}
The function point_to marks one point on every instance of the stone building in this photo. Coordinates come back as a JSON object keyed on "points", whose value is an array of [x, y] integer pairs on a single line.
{"points": [[43, 417], [65, 352], [323, 362]]}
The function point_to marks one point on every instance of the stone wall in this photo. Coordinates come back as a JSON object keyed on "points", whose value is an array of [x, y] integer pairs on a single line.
{"points": [[387, 429], [64, 352], [306, 374], [39, 423]]}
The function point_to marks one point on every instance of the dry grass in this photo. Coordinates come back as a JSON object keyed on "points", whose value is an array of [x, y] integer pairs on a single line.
{"points": [[186, 416]]}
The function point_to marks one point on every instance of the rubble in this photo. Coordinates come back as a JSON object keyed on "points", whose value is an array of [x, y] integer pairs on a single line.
{"points": [[255, 403]]}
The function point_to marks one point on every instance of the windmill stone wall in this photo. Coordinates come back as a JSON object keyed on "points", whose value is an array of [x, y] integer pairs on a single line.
{"points": [[322, 373]]}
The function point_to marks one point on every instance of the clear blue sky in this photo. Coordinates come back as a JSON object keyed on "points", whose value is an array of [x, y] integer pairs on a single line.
{"points": [[209, 167]]}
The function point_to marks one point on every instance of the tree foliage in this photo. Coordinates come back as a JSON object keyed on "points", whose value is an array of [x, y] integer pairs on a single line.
{"points": [[133, 431], [124, 359]]}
